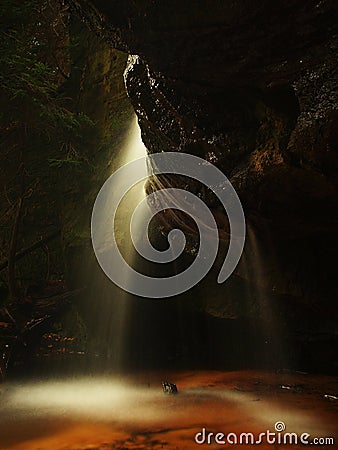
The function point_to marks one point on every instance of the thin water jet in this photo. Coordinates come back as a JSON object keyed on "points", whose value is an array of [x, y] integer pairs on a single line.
{"points": [[112, 307]]}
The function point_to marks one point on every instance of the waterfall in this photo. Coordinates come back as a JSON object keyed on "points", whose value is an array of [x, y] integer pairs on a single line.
{"points": [[111, 306]]}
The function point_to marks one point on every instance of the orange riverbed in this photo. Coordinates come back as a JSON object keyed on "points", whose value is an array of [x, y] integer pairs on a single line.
{"points": [[133, 413]]}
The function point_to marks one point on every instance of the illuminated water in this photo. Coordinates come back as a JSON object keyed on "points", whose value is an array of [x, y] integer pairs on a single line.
{"points": [[109, 308]]}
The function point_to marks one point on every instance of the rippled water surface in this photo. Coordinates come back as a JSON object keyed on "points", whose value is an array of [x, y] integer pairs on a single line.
{"points": [[133, 413]]}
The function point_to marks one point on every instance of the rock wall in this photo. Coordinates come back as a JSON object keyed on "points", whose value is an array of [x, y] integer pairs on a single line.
{"points": [[251, 88]]}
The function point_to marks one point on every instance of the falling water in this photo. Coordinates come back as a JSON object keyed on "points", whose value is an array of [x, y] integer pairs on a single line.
{"points": [[110, 305], [255, 266]]}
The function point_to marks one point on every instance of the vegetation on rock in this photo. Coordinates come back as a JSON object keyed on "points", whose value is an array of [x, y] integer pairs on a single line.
{"points": [[56, 144]]}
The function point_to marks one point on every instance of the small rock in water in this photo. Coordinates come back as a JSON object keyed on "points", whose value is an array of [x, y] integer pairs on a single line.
{"points": [[169, 388]]}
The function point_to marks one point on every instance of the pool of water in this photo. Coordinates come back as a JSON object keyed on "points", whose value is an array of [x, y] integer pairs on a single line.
{"points": [[132, 412]]}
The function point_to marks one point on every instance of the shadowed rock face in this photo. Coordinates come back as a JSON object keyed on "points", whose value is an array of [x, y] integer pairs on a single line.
{"points": [[251, 87]]}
